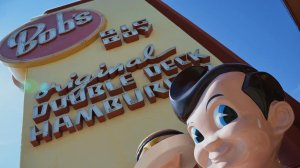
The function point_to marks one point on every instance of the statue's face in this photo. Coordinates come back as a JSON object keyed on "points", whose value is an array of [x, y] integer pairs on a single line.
{"points": [[228, 128]]}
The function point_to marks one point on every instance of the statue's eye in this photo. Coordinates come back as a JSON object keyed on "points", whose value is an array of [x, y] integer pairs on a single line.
{"points": [[224, 115], [197, 136]]}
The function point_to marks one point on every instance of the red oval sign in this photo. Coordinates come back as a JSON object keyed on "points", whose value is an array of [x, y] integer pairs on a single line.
{"points": [[51, 37]]}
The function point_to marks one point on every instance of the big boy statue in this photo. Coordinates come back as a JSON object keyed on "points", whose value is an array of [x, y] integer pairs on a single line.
{"points": [[236, 115]]}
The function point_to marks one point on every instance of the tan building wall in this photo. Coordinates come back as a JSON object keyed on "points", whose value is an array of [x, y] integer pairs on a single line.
{"points": [[113, 143]]}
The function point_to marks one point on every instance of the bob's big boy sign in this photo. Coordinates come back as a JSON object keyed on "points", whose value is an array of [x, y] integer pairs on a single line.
{"points": [[55, 36], [117, 83], [58, 35]]}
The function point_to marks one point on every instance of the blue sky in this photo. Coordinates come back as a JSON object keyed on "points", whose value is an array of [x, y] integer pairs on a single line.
{"points": [[261, 32]]}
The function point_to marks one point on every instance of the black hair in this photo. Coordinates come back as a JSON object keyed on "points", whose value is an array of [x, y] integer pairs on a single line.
{"points": [[189, 85]]}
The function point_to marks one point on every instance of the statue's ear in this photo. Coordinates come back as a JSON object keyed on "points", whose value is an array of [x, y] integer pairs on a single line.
{"points": [[280, 117]]}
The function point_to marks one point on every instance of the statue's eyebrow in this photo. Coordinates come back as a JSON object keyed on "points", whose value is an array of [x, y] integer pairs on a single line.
{"points": [[217, 95]]}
